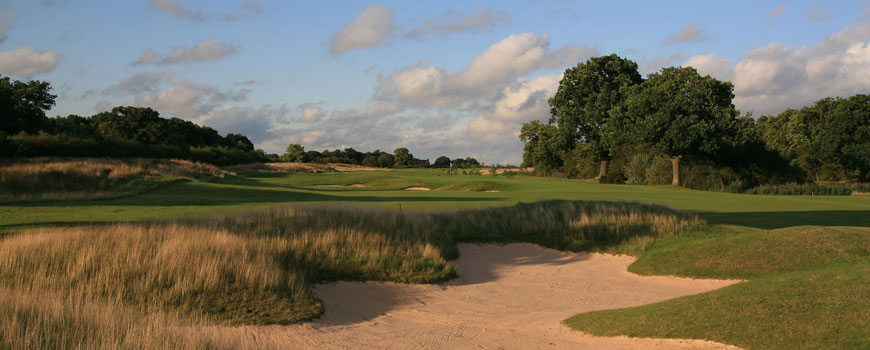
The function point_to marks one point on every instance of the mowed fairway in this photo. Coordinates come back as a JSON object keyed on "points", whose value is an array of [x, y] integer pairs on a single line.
{"points": [[384, 189], [805, 259]]}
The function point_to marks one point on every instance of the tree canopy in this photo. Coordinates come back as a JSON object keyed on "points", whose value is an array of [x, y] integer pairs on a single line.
{"points": [[587, 104], [678, 112]]}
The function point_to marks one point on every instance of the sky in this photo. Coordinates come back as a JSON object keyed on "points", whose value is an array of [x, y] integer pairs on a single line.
{"points": [[454, 78]]}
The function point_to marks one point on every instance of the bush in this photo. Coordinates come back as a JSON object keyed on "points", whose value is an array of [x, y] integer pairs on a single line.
{"points": [[660, 171], [635, 169], [810, 189]]}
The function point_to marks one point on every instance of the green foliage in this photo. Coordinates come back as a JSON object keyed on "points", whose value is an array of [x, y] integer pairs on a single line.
{"points": [[543, 146], [583, 106], [442, 162], [659, 172], [294, 153], [386, 160], [811, 189], [402, 156], [636, 168], [23, 105], [466, 163]]}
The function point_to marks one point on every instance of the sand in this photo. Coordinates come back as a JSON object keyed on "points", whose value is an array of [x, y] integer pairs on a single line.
{"points": [[507, 297], [415, 189]]}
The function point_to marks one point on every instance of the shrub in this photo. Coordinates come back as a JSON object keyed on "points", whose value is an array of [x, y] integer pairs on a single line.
{"points": [[635, 169]]}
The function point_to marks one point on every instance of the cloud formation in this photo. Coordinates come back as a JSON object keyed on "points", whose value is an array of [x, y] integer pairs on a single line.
{"points": [[25, 61], [689, 34], [369, 29], [423, 85], [776, 12], [6, 17], [140, 83], [208, 50], [174, 9], [453, 21], [773, 77], [149, 56], [376, 26]]}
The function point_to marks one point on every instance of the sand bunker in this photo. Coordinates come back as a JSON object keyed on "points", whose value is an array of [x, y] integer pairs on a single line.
{"points": [[511, 297], [415, 189], [351, 185]]}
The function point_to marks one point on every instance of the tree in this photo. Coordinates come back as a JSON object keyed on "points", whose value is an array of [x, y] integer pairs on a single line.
{"points": [[295, 153], [678, 112], [846, 135], [402, 156], [23, 105], [239, 142], [587, 103], [386, 160], [442, 162], [542, 148]]}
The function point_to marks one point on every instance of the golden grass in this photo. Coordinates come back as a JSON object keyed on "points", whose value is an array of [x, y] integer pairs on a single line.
{"points": [[90, 178], [167, 285], [292, 167]]}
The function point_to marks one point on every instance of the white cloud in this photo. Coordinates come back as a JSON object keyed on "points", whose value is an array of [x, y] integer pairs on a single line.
{"points": [[369, 29], [208, 50], [140, 83], [689, 34], [650, 65], [719, 68], [149, 56], [243, 11], [453, 21], [486, 75], [25, 61]]}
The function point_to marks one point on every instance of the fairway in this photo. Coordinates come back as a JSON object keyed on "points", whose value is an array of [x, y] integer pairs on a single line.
{"points": [[384, 189]]}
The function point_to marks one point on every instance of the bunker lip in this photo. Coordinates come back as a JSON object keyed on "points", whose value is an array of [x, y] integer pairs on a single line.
{"points": [[415, 188], [513, 296]]}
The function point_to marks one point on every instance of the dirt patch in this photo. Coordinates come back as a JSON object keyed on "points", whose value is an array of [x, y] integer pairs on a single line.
{"points": [[513, 296], [415, 189]]}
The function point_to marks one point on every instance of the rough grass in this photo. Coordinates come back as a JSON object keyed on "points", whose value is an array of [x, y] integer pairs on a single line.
{"points": [[807, 289], [258, 267], [90, 178]]}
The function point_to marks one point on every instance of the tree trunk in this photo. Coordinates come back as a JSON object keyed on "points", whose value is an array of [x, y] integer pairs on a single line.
{"points": [[603, 172], [676, 162]]}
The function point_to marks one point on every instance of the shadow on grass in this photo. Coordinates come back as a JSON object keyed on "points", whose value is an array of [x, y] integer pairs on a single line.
{"points": [[198, 194], [781, 219]]}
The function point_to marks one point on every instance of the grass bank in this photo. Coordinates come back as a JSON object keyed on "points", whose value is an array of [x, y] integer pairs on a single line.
{"points": [[807, 289], [41, 179]]}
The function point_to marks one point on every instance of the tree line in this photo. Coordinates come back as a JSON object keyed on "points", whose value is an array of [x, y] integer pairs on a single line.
{"points": [[26, 131], [605, 112], [401, 157]]}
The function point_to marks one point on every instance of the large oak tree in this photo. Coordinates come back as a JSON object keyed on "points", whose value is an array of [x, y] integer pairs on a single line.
{"points": [[588, 101], [679, 112]]}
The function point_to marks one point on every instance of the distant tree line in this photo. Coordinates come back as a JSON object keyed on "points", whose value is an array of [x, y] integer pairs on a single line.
{"points": [[122, 132], [401, 157], [682, 128]]}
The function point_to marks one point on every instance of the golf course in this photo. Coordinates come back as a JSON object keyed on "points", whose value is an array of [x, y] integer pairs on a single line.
{"points": [[89, 271]]}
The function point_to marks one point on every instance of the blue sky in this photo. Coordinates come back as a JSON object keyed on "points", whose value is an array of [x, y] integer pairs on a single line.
{"points": [[455, 78]]}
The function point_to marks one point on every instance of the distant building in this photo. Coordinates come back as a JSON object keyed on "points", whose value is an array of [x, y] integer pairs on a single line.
{"points": [[419, 163]]}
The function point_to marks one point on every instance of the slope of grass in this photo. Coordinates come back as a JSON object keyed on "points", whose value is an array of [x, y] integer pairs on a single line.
{"points": [[807, 288], [91, 178]]}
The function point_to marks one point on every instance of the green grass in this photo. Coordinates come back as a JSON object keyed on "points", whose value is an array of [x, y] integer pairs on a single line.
{"points": [[807, 288], [260, 190], [806, 259]]}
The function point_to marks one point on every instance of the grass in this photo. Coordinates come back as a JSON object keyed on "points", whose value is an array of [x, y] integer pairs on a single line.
{"points": [[807, 288], [258, 267], [92, 178], [805, 257]]}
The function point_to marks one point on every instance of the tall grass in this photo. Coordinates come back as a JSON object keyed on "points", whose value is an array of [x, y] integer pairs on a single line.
{"points": [[259, 267], [89, 178]]}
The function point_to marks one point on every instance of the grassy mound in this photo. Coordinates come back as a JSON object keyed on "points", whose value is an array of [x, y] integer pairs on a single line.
{"points": [[808, 288], [90, 178]]}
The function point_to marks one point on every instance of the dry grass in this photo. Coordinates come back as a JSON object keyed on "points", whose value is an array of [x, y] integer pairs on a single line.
{"points": [[90, 178], [166, 285]]}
